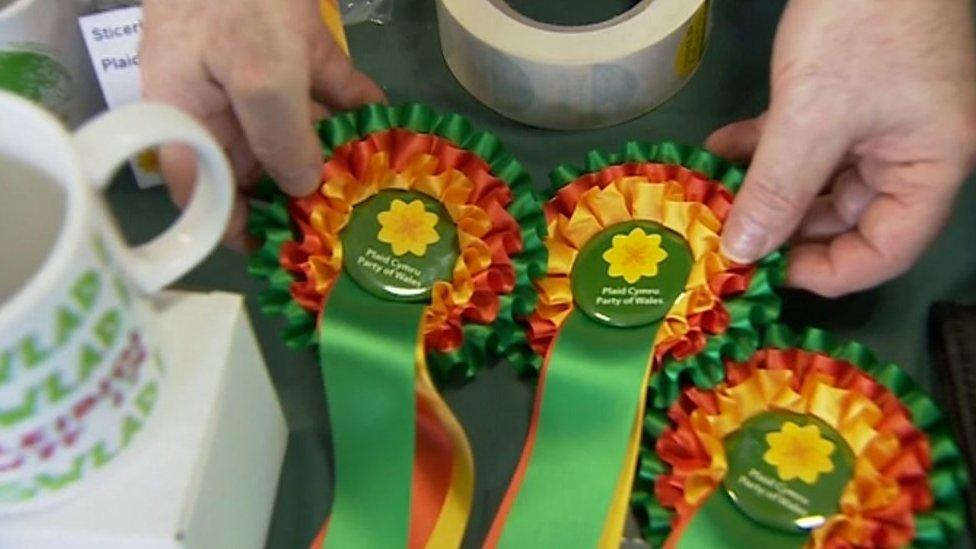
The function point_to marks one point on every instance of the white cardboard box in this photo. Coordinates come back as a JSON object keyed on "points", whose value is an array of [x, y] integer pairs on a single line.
{"points": [[205, 472]]}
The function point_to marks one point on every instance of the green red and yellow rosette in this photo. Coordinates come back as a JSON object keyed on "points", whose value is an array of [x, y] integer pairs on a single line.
{"points": [[807, 443], [415, 257], [635, 290]]}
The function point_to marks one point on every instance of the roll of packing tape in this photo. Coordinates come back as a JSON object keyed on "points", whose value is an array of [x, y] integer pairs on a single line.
{"points": [[571, 78]]}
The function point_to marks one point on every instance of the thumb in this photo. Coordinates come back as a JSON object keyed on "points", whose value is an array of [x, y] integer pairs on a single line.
{"points": [[798, 150]]}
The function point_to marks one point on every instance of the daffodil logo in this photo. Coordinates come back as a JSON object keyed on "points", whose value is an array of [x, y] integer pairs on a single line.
{"points": [[799, 452], [408, 228], [148, 161], [635, 255]]}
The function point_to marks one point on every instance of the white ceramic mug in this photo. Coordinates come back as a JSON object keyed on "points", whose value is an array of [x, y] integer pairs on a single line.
{"points": [[79, 372], [43, 57]]}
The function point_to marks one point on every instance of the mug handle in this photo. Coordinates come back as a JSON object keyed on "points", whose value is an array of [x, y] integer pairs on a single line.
{"points": [[107, 141]]}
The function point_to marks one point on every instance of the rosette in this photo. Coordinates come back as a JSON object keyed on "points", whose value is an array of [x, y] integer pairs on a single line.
{"points": [[413, 261], [635, 289], [806, 443]]}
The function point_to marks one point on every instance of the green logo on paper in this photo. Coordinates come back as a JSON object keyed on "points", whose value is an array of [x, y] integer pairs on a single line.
{"points": [[787, 470], [36, 76], [398, 244], [630, 274]]}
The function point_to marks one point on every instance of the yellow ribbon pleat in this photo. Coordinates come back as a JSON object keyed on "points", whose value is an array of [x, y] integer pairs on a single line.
{"points": [[332, 18]]}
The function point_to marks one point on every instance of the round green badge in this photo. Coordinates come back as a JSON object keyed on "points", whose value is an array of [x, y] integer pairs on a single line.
{"points": [[398, 244], [787, 471], [631, 273]]}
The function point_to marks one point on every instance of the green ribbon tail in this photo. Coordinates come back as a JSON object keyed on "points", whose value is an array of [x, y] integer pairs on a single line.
{"points": [[590, 403], [592, 391], [718, 520], [367, 351]]}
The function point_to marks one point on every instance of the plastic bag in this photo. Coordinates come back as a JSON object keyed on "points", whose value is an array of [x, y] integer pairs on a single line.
{"points": [[353, 11], [374, 11]]}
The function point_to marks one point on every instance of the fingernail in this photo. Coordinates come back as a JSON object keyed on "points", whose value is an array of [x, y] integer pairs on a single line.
{"points": [[744, 242]]}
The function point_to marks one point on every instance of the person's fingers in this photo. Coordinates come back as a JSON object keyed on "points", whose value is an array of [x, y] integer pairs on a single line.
{"points": [[838, 211], [336, 82], [273, 107], [178, 165], [821, 222], [800, 147], [250, 180], [736, 141], [891, 235], [185, 86], [242, 162], [237, 238], [178, 162], [852, 195], [319, 111]]}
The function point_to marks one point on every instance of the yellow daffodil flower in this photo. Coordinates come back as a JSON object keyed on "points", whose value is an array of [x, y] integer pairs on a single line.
{"points": [[635, 255], [799, 452], [408, 228]]}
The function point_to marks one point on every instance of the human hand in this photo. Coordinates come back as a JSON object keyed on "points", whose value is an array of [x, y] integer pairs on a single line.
{"points": [[256, 73], [873, 102]]}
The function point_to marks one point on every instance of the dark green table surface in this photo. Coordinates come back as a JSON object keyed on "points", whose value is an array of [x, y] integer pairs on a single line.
{"points": [[405, 58]]}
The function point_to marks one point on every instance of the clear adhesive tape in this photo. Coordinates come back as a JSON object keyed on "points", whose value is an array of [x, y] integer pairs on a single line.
{"points": [[571, 78]]}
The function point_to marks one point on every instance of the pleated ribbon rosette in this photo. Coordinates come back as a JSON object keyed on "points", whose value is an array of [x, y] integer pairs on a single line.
{"points": [[807, 443], [412, 262], [636, 296]]}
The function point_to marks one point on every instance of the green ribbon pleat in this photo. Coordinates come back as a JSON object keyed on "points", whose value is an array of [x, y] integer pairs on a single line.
{"points": [[718, 523], [592, 391], [366, 349]]}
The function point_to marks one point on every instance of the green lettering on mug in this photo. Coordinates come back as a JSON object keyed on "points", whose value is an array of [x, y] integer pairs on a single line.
{"points": [[121, 290], [30, 354], [14, 492], [101, 456], [56, 482], [56, 389], [100, 250], [88, 361], [6, 365], [146, 399], [158, 359], [66, 324], [27, 408], [107, 328], [130, 426], [85, 291]]}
